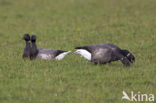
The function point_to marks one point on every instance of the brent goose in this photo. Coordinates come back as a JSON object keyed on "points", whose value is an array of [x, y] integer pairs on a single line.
{"points": [[49, 54], [105, 53], [27, 46]]}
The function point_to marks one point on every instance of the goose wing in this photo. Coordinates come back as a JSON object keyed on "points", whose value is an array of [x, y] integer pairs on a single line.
{"points": [[49, 53]]}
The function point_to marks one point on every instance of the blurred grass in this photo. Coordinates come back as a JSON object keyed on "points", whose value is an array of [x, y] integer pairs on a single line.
{"points": [[63, 25]]}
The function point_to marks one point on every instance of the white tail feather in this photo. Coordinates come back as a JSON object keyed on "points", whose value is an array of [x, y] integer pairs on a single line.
{"points": [[62, 55], [84, 53]]}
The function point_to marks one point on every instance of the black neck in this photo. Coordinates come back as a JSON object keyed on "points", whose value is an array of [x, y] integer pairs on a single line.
{"points": [[34, 46], [26, 50], [33, 51], [27, 47]]}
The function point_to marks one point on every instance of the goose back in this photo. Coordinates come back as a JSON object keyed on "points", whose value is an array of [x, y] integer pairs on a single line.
{"points": [[48, 53], [101, 55]]}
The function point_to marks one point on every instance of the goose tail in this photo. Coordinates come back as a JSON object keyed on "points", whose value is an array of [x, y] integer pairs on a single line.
{"points": [[62, 55]]}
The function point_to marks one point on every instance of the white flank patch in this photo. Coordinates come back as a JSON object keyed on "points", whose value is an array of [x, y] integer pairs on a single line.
{"points": [[45, 56], [62, 55], [84, 53]]}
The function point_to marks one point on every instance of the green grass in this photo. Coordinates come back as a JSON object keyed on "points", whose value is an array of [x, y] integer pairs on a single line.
{"points": [[64, 24]]}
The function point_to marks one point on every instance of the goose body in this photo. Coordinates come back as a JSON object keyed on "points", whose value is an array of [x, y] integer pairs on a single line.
{"points": [[33, 52], [104, 53], [49, 54]]}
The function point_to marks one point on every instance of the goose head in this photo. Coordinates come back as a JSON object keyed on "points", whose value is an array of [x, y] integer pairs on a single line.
{"points": [[26, 37], [33, 38]]}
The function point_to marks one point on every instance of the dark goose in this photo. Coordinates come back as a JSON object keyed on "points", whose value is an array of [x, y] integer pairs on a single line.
{"points": [[48, 54], [26, 52], [105, 53]]}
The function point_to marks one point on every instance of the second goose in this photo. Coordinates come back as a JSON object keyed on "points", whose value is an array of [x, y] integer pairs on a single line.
{"points": [[48, 54]]}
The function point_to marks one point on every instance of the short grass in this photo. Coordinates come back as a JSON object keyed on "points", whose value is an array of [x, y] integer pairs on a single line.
{"points": [[64, 24]]}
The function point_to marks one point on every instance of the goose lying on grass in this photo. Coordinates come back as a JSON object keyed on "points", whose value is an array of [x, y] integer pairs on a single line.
{"points": [[48, 54], [105, 53]]}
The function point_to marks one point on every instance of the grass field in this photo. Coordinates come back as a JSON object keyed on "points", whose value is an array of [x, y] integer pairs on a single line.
{"points": [[64, 24]]}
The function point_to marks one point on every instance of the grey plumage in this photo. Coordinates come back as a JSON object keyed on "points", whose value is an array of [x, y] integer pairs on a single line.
{"points": [[48, 53], [107, 52], [36, 53]]}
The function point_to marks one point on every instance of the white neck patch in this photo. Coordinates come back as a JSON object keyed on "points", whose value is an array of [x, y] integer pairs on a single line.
{"points": [[84, 53]]}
